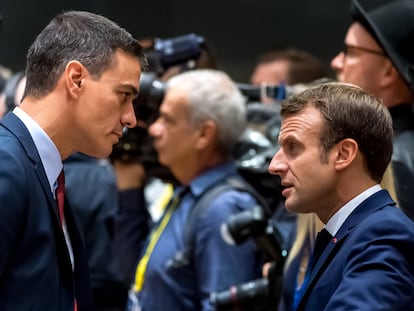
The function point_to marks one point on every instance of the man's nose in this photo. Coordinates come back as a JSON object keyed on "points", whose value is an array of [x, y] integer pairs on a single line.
{"points": [[154, 128], [277, 166], [338, 61], [129, 118]]}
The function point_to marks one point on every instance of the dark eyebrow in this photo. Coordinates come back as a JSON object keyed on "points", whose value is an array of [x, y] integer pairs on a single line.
{"points": [[132, 89], [287, 138]]}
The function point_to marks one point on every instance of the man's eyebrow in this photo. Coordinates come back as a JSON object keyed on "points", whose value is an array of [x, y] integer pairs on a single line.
{"points": [[131, 88], [287, 138]]}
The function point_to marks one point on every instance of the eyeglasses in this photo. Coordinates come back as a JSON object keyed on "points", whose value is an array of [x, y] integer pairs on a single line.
{"points": [[347, 50]]}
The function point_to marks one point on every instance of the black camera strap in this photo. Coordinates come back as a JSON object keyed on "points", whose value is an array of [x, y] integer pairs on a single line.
{"points": [[185, 256]]}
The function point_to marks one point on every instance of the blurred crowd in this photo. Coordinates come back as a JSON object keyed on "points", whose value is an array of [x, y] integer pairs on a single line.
{"points": [[193, 207]]}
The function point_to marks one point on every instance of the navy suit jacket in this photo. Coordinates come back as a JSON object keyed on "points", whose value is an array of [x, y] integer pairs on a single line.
{"points": [[368, 265], [35, 267]]}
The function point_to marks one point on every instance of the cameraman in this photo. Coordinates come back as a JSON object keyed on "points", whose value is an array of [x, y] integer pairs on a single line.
{"points": [[135, 158], [201, 118]]}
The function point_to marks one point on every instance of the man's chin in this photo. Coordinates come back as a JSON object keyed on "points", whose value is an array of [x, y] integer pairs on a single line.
{"points": [[99, 153], [162, 161], [291, 207]]}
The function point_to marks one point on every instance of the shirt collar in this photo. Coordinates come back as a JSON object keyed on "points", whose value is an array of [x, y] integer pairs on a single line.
{"points": [[337, 220], [212, 176], [48, 153]]}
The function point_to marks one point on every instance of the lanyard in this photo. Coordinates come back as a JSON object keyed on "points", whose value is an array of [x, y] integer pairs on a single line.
{"points": [[155, 235]]}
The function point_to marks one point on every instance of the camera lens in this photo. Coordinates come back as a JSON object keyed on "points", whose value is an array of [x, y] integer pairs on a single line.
{"points": [[252, 296]]}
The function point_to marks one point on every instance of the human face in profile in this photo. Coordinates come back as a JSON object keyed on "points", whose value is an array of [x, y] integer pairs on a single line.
{"points": [[105, 107], [307, 175], [362, 61], [175, 139]]}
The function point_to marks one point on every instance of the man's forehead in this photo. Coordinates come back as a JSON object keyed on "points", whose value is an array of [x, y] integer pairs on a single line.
{"points": [[358, 34]]}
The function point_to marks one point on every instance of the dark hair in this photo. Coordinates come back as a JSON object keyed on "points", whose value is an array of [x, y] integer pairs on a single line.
{"points": [[303, 66], [349, 112], [75, 35]]}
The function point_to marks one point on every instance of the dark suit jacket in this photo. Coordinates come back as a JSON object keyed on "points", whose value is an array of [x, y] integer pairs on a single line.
{"points": [[369, 263], [35, 267], [93, 196]]}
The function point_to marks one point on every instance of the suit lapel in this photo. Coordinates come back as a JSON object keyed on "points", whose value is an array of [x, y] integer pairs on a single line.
{"points": [[375, 202], [81, 269], [19, 130], [81, 274]]}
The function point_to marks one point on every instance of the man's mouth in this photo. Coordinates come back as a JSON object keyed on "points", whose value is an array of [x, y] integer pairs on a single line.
{"points": [[286, 187], [119, 134]]}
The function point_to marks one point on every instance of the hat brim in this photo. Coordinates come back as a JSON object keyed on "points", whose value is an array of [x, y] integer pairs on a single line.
{"points": [[361, 16]]}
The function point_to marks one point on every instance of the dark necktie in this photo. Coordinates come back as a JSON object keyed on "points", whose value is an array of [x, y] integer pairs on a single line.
{"points": [[60, 196], [322, 240]]}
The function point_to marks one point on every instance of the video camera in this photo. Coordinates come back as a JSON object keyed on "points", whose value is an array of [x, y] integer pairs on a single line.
{"points": [[261, 294], [166, 53]]}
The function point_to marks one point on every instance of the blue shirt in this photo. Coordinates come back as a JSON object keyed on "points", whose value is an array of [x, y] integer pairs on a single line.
{"points": [[216, 265]]}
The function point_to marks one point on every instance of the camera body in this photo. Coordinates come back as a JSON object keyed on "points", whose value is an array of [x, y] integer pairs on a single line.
{"points": [[261, 294], [176, 51], [253, 296]]}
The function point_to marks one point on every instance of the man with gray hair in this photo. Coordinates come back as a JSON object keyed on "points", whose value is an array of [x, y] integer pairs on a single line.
{"points": [[201, 118]]}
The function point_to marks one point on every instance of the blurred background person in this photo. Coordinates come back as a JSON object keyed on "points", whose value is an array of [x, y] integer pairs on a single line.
{"points": [[201, 118], [287, 66], [378, 56], [5, 74], [135, 156], [13, 90], [166, 58]]}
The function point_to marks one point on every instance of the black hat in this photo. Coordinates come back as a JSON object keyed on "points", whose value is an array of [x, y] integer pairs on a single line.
{"points": [[392, 26]]}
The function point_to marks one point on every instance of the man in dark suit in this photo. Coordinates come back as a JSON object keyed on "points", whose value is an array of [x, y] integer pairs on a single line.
{"points": [[336, 142], [82, 75]]}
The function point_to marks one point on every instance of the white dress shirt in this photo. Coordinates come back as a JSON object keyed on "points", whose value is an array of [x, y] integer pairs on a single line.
{"points": [[337, 220]]}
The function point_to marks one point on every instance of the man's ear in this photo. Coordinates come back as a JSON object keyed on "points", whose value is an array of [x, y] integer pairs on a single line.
{"points": [[74, 77], [390, 74], [206, 133], [346, 152]]}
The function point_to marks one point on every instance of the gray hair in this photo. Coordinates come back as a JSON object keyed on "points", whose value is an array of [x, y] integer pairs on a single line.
{"points": [[214, 96]]}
